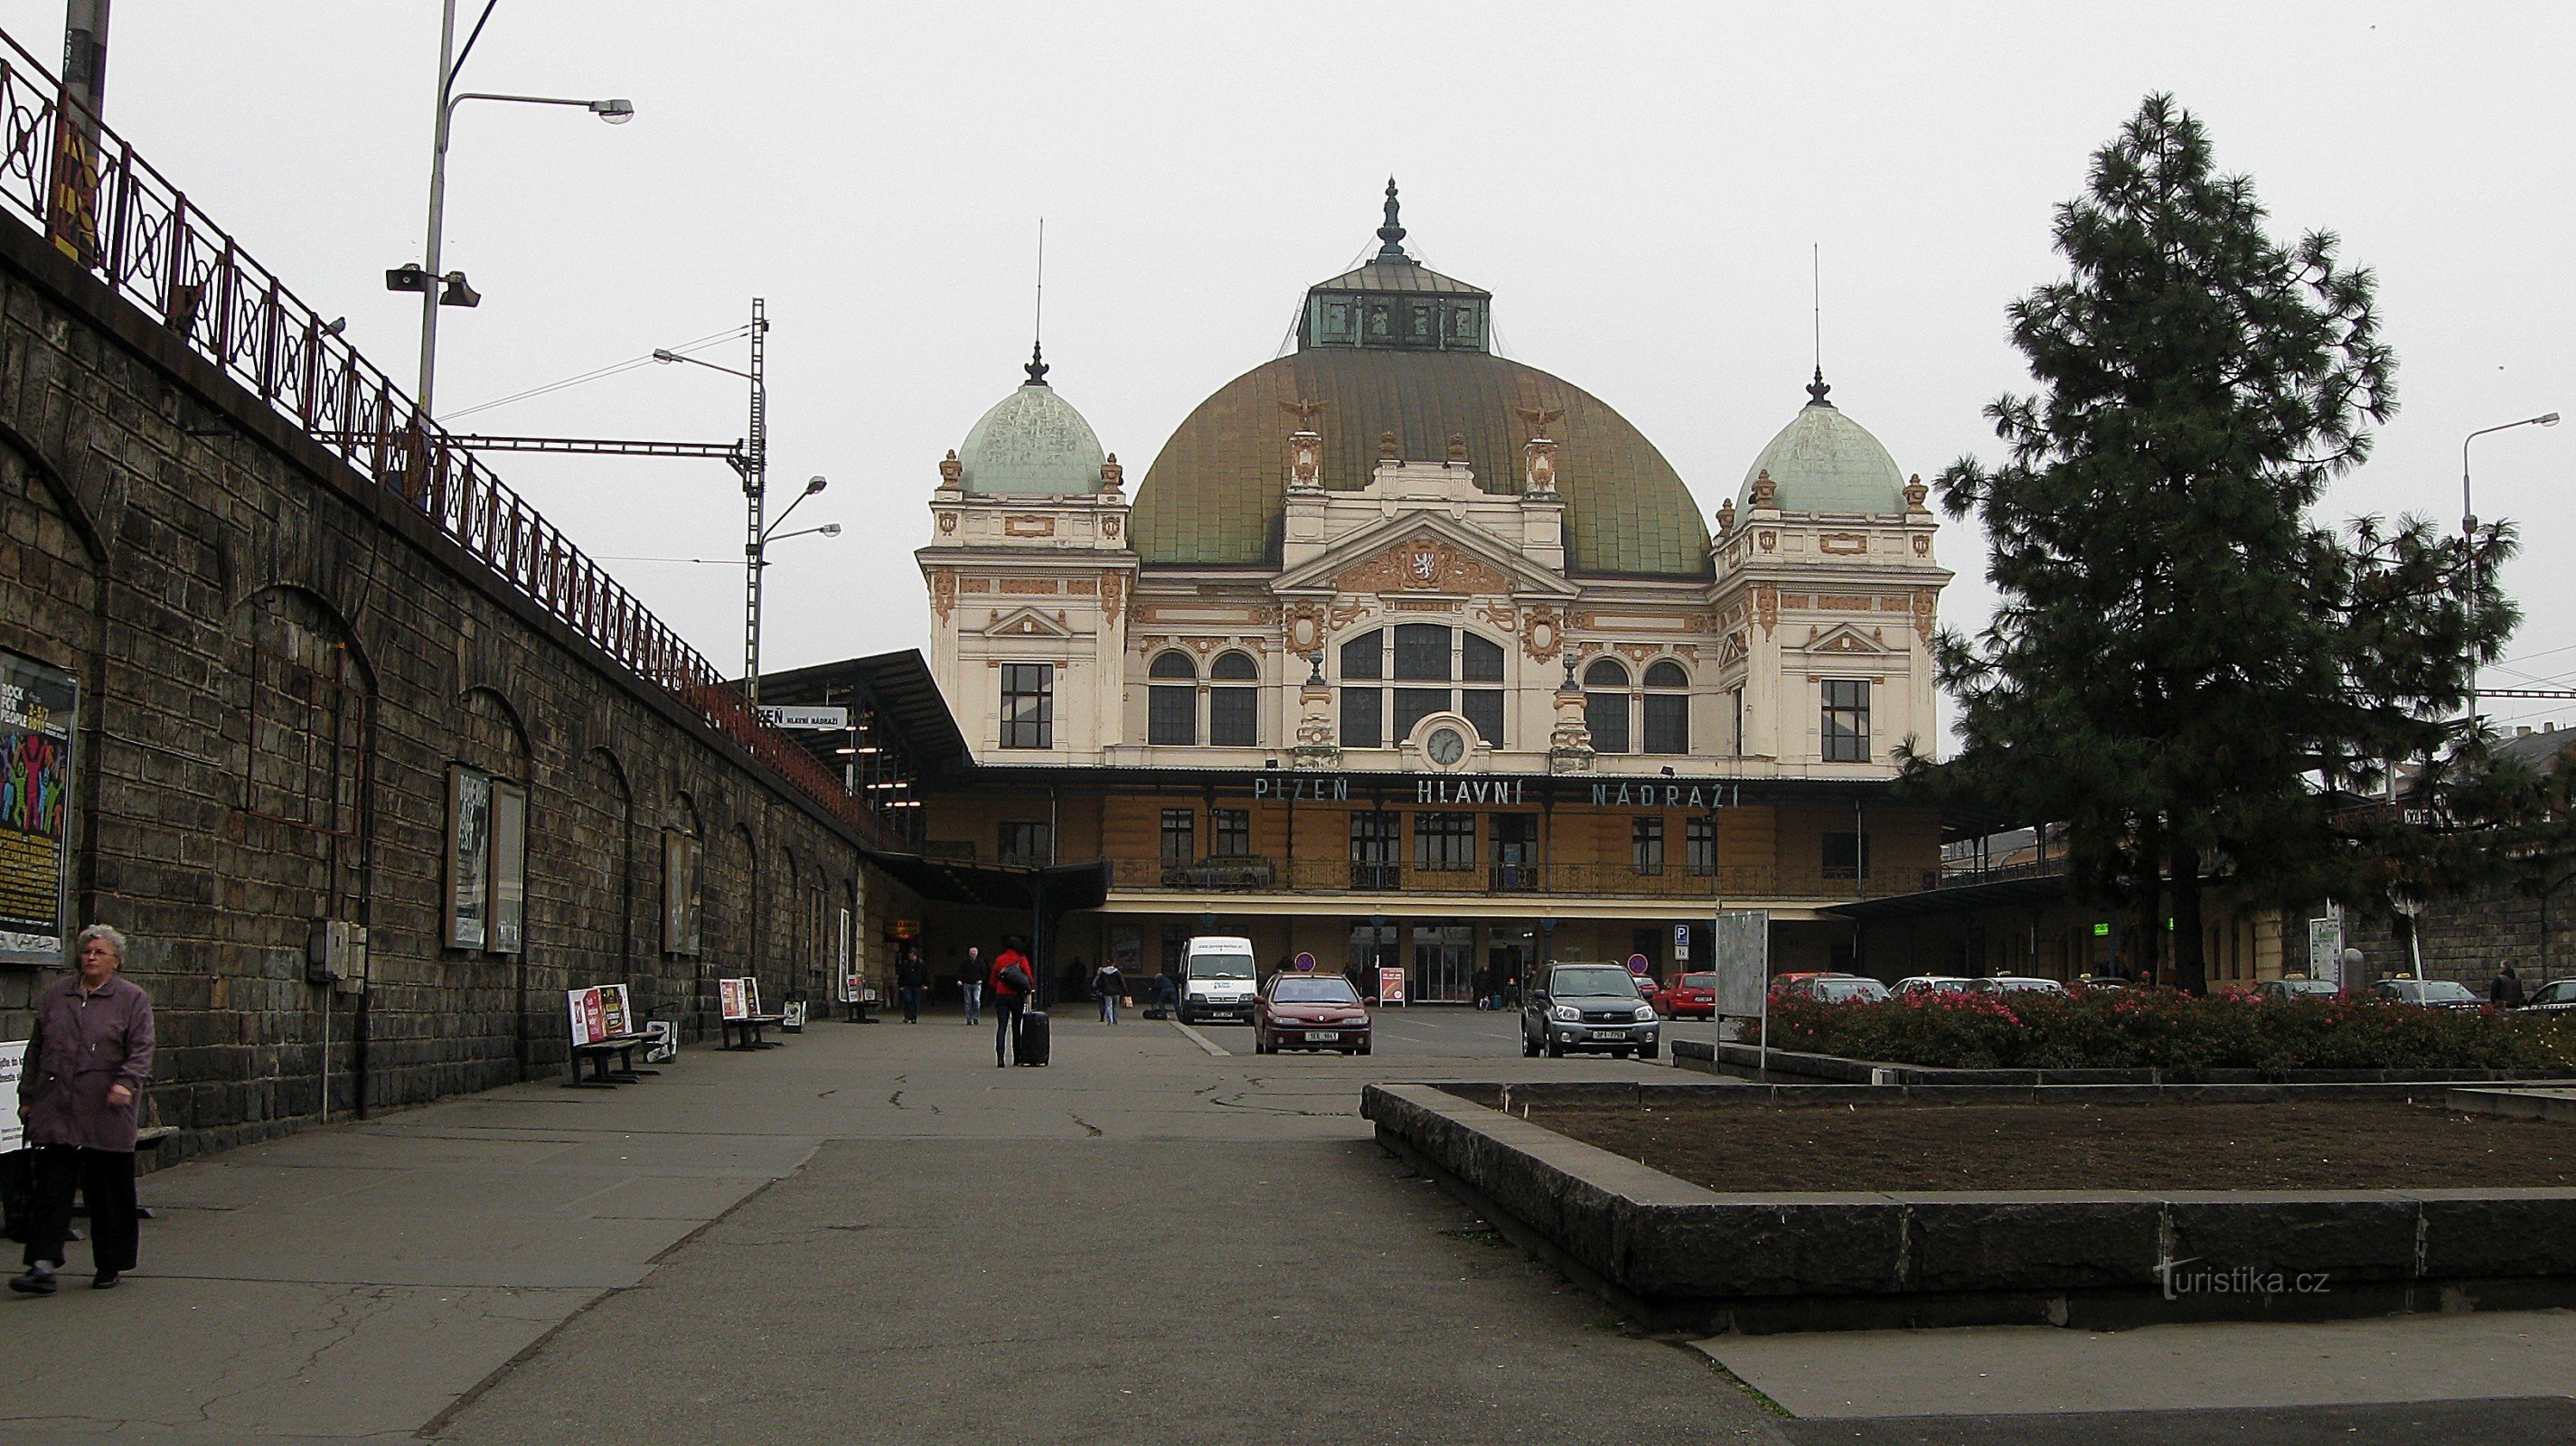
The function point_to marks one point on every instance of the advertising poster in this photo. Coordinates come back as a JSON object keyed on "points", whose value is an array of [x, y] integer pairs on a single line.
{"points": [[13, 1061], [615, 1015], [750, 996], [729, 998], [509, 849], [1390, 986], [37, 708], [583, 1005], [469, 857]]}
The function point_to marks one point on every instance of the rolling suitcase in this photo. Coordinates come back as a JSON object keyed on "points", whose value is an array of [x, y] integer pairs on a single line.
{"points": [[1034, 1038]]}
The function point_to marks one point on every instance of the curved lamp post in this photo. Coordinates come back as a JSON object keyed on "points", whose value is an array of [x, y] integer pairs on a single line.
{"points": [[2469, 531]]}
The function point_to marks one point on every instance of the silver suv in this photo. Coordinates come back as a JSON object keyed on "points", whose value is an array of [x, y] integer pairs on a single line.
{"points": [[1589, 1007]]}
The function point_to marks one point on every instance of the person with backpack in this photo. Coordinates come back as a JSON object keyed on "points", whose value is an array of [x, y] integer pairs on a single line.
{"points": [[970, 982], [1109, 984], [911, 977], [1013, 980]]}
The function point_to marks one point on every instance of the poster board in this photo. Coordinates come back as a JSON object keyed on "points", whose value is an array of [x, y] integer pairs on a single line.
{"points": [[792, 1018], [39, 709], [469, 857], [662, 1041], [1743, 949], [1390, 985], [679, 893], [588, 1016], [2325, 948], [730, 1001], [751, 995], [13, 1062], [509, 892]]}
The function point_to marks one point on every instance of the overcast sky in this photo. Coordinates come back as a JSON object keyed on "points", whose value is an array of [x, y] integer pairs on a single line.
{"points": [[1638, 185]]}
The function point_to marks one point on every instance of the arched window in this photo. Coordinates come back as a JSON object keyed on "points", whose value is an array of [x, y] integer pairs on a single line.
{"points": [[1234, 713], [1480, 660], [1424, 661], [1667, 711], [1172, 709], [1363, 702], [1605, 705]]}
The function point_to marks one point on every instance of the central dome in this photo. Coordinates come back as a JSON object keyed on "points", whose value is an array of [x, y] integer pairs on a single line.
{"points": [[1395, 348], [1823, 461]]}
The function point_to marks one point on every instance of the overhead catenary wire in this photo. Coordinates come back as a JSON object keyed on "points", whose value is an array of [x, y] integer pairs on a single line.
{"points": [[599, 373]]}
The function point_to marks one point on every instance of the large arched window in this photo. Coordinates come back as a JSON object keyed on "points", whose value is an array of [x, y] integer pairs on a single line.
{"points": [[1605, 705], [1234, 713], [1172, 707], [1426, 662], [1667, 708]]}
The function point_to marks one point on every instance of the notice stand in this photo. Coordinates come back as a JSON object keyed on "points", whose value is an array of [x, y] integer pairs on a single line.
{"points": [[1743, 963], [1390, 987]]}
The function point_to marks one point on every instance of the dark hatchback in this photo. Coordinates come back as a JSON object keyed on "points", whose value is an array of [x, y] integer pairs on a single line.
{"points": [[1594, 1007]]}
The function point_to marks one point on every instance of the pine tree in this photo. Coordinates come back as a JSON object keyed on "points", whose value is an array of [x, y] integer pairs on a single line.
{"points": [[2184, 668]]}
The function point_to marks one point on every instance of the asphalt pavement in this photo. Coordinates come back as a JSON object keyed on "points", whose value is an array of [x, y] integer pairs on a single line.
{"points": [[873, 1234]]}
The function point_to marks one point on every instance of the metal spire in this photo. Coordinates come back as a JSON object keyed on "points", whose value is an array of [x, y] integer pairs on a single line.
{"points": [[1037, 367], [1816, 260], [1392, 233]]}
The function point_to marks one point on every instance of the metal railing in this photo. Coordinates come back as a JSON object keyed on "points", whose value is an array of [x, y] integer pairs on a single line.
{"points": [[109, 210], [1324, 877]]}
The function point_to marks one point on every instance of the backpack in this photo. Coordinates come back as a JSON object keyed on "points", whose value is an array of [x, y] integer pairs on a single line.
{"points": [[1015, 979]]}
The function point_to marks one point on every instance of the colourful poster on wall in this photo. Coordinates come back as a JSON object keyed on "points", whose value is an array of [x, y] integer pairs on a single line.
{"points": [[13, 1062], [729, 998], [38, 706]]}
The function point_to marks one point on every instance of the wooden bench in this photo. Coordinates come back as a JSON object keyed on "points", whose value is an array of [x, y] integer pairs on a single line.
{"points": [[603, 1028]]}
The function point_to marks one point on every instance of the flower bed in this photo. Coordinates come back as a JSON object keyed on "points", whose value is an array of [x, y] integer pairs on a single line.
{"points": [[2162, 1029]]}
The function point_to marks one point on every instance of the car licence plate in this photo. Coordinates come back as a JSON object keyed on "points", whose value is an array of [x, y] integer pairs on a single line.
{"points": [[1609, 1034], [1323, 1036]]}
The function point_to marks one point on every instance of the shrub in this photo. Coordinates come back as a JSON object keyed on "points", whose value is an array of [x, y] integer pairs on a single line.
{"points": [[2162, 1029]]}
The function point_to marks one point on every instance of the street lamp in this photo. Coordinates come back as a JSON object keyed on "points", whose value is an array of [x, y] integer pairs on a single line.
{"points": [[755, 557], [439, 289], [2469, 532]]}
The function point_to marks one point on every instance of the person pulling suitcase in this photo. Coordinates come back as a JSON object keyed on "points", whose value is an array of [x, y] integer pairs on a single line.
{"points": [[1014, 982]]}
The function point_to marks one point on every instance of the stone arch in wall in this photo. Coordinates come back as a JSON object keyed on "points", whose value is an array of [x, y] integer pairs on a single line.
{"points": [[600, 831], [488, 732]]}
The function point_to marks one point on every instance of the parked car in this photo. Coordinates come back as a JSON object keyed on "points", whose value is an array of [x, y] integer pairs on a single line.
{"points": [[1692, 995], [1836, 989], [1309, 1011], [1784, 983], [2017, 984], [2297, 986], [1650, 990], [1217, 975], [2558, 996], [1924, 984], [1593, 1007], [2102, 981], [2431, 993]]}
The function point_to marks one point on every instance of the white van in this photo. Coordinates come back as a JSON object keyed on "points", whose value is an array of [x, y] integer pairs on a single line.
{"points": [[1218, 979]]}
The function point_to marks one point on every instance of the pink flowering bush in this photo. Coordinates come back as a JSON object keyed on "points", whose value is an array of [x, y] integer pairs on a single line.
{"points": [[2163, 1029]]}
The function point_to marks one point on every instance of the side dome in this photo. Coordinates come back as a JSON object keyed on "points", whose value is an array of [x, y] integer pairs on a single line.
{"points": [[1031, 444], [1823, 461]]}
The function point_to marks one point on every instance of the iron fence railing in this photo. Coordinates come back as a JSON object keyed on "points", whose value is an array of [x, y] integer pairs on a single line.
{"points": [[107, 208]]}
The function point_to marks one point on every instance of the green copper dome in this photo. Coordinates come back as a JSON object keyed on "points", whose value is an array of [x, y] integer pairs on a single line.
{"points": [[1824, 461], [1031, 444]]}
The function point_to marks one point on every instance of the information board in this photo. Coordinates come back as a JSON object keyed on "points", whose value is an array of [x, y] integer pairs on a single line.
{"points": [[1743, 962], [38, 706], [1390, 985], [2325, 949]]}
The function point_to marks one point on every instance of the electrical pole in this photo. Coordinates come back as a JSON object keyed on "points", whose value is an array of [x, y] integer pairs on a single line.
{"points": [[755, 490], [71, 212]]}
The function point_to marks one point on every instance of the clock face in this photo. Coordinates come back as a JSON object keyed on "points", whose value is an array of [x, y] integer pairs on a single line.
{"points": [[1446, 747]]}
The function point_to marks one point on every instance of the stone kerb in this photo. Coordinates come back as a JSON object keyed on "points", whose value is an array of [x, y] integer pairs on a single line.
{"points": [[1675, 1255], [1708, 1056]]}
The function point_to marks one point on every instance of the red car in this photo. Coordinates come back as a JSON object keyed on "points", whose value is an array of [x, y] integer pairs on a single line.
{"points": [[1688, 995], [1309, 1011]]}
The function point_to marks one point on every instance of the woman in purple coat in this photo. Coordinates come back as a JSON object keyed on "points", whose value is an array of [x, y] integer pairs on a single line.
{"points": [[86, 1064]]}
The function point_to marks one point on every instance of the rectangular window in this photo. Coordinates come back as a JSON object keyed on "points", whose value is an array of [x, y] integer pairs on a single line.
{"points": [[1846, 855], [1373, 844], [1172, 714], [1028, 843], [1233, 830], [1484, 708], [1234, 717], [1363, 717], [1444, 841], [1736, 696], [1606, 715], [1479, 661], [1668, 723], [1180, 836], [1422, 652], [1699, 836], [1028, 705], [1846, 720], [1412, 705], [1646, 845], [1515, 852]]}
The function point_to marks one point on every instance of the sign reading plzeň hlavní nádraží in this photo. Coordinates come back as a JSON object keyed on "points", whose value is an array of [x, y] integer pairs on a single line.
{"points": [[38, 706]]}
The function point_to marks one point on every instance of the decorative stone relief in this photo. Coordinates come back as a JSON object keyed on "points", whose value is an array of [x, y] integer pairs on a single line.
{"points": [[1113, 592], [975, 584], [1542, 635], [1305, 627], [943, 590], [1925, 600], [947, 522], [1028, 527], [1109, 526], [1843, 544], [1766, 607], [1423, 565]]}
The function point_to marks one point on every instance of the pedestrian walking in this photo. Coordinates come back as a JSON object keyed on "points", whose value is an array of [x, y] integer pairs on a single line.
{"points": [[970, 982], [2505, 990], [1110, 984], [1013, 980], [911, 976], [84, 1073]]}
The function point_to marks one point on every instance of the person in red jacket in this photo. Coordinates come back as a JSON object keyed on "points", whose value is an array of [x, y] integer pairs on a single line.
{"points": [[1012, 981]]}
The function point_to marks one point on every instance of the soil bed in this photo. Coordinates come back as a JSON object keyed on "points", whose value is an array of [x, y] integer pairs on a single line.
{"points": [[2306, 1145]]}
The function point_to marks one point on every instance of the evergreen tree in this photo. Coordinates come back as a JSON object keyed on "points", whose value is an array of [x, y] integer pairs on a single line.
{"points": [[2184, 668]]}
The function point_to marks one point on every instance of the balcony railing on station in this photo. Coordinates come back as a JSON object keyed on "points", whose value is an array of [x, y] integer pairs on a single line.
{"points": [[1257, 873], [107, 208]]}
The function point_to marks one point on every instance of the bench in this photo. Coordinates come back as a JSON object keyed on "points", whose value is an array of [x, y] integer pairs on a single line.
{"points": [[603, 1028], [741, 1023]]}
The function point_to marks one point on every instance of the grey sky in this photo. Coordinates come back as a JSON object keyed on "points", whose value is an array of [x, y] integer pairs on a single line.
{"points": [[1638, 185]]}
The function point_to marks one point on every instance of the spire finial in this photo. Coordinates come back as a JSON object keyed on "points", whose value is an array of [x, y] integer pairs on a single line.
{"points": [[1037, 367], [1816, 390], [1391, 235]]}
